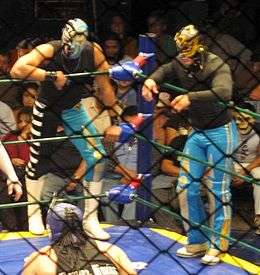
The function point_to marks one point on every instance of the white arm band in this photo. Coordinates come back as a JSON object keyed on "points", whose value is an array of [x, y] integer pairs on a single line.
{"points": [[6, 165]]}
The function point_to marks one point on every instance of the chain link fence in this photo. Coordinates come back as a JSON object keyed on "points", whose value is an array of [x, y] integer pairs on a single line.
{"points": [[228, 28]]}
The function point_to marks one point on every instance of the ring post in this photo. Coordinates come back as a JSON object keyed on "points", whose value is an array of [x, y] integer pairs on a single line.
{"points": [[144, 160]]}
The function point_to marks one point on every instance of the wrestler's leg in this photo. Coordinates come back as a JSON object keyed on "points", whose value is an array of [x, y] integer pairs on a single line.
{"points": [[188, 189], [43, 125], [92, 152], [222, 143]]}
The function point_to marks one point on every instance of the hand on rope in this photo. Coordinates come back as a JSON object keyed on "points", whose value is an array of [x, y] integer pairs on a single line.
{"points": [[149, 89], [124, 130], [128, 70], [124, 194], [59, 79]]}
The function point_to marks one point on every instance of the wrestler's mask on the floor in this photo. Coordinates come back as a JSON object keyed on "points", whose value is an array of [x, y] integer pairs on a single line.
{"points": [[191, 48], [74, 36]]}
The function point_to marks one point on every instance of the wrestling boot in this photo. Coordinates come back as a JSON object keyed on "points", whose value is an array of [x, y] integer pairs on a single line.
{"points": [[212, 257], [190, 251], [34, 188], [90, 219]]}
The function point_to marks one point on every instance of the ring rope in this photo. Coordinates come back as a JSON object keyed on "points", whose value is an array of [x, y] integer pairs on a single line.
{"points": [[162, 148], [136, 75], [205, 163], [184, 91], [138, 199], [42, 202], [84, 74], [194, 224], [52, 139]]}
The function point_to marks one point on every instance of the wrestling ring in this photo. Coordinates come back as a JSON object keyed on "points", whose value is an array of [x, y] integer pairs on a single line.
{"points": [[156, 247], [143, 243]]}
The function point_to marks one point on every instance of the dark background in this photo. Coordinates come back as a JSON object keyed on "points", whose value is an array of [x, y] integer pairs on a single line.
{"points": [[20, 19]]}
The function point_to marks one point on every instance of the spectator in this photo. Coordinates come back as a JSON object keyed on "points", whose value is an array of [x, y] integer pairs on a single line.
{"points": [[247, 157], [114, 53], [113, 50], [118, 25], [164, 183], [176, 125], [7, 120], [27, 96], [165, 45], [160, 117], [126, 93], [16, 219]]}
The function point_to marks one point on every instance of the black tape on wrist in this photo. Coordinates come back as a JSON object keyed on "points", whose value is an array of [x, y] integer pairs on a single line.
{"points": [[50, 75]]}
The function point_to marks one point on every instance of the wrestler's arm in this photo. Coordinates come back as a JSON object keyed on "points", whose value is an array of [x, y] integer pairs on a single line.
{"points": [[42, 262], [6, 165], [163, 73], [26, 67], [103, 81], [118, 257], [151, 84]]}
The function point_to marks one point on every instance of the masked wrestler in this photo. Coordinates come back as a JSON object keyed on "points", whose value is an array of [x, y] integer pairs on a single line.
{"points": [[208, 82], [72, 251], [59, 98]]}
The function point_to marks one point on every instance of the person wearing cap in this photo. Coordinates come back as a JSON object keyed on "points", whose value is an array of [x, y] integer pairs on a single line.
{"points": [[208, 82], [59, 99], [71, 251]]}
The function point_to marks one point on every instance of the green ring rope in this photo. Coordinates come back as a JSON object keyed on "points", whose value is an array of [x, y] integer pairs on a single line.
{"points": [[205, 163], [162, 148], [42, 202], [138, 199], [204, 227], [184, 91], [136, 75]]}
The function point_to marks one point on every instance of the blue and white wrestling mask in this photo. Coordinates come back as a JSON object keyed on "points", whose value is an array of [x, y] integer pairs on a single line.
{"points": [[74, 36], [61, 218]]}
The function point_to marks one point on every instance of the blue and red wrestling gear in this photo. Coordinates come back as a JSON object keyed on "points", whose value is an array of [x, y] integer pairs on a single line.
{"points": [[128, 70], [123, 194], [63, 216], [129, 129]]}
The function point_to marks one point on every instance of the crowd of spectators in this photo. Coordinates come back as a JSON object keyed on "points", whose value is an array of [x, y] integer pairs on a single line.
{"points": [[230, 32]]}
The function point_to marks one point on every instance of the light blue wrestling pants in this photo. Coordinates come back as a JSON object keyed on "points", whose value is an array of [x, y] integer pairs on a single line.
{"points": [[214, 146], [91, 149]]}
